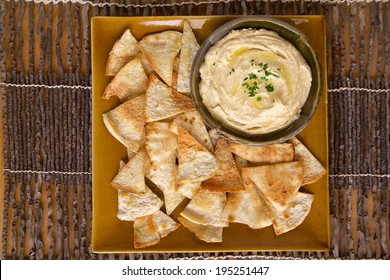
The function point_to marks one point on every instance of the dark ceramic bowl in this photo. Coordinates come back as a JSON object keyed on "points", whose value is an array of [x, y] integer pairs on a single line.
{"points": [[288, 32]]}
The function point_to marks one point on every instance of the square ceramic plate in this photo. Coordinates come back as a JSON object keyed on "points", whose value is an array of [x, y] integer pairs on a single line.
{"points": [[110, 235]]}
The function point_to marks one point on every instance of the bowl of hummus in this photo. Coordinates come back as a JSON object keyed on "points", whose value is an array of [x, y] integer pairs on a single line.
{"points": [[256, 80]]}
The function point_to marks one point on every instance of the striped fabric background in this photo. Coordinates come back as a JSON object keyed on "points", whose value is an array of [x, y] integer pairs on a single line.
{"points": [[45, 72]]}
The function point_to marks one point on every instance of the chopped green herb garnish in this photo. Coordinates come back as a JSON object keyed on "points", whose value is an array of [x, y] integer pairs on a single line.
{"points": [[278, 69], [250, 81], [252, 76], [214, 63], [269, 87]]}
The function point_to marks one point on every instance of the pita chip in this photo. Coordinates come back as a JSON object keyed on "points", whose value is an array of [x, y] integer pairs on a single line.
{"points": [[196, 163], [193, 123], [132, 176], [128, 83], [124, 50], [145, 64], [131, 205], [175, 73], [214, 137], [164, 177], [293, 215], [163, 102], [161, 49], [312, 168], [270, 154], [188, 52], [126, 123], [149, 229], [227, 178], [188, 189], [205, 208], [161, 145], [279, 183], [202, 232], [246, 207]]}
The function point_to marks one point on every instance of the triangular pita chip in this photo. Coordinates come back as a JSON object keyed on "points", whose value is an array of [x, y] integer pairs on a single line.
{"points": [[206, 208], [227, 178], [175, 73], [188, 52], [145, 64], [164, 177], [279, 183], [149, 229], [195, 162], [188, 189], [193, 123], [202, 232], [132, 176], [161, 145], [214, 137], [124, 50], [161, 49], [312, 168], [126, 123], [270, 154], [131, 205], [246, 207], [163, 102], [129, 82], [295, 213]]}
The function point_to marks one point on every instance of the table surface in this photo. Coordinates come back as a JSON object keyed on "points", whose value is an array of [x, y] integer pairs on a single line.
{"points": [[45, 82]]}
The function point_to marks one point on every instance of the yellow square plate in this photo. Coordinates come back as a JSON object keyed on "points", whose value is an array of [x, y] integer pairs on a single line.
{"points": [[110, 235]]}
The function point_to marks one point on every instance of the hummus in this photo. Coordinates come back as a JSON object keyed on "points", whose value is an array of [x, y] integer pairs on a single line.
{"points": [[254, 81]]}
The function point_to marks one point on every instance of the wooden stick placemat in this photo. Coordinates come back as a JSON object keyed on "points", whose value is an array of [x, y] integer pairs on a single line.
{"points": [[45, 82]]}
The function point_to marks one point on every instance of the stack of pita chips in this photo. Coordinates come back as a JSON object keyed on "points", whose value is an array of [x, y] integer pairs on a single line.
{"points": [[169, 144], [147, 77], [278, 172]]}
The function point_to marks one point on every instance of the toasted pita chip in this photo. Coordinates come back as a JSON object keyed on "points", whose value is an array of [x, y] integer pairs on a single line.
{"points": [[128, 83], [206, 208], [145, 64], [202, 232], [124, 50], [126, 123], [195, 162], [132, 176], [188, 189], [161, 145], [270, 154], [227, 178], [149, 229], [193, 123], [312, 168], [175, 73], [279, 183], [214, 137], [246, 207], [163, 102], [188, 52], [161, 49], [131, 205], [295, 213]]}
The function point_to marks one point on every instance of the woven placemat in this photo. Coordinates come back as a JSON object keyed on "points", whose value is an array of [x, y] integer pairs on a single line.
{"points": [[45, 72]]}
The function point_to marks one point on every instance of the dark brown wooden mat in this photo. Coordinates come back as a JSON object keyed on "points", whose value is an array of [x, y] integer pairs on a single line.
{"points": [[45, 82]]}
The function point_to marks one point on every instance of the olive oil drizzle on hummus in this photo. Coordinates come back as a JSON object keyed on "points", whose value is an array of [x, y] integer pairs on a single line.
{"points": [[250, 81]]}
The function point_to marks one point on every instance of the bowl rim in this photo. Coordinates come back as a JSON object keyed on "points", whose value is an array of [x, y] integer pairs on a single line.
{"points": [[282, 134]]}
